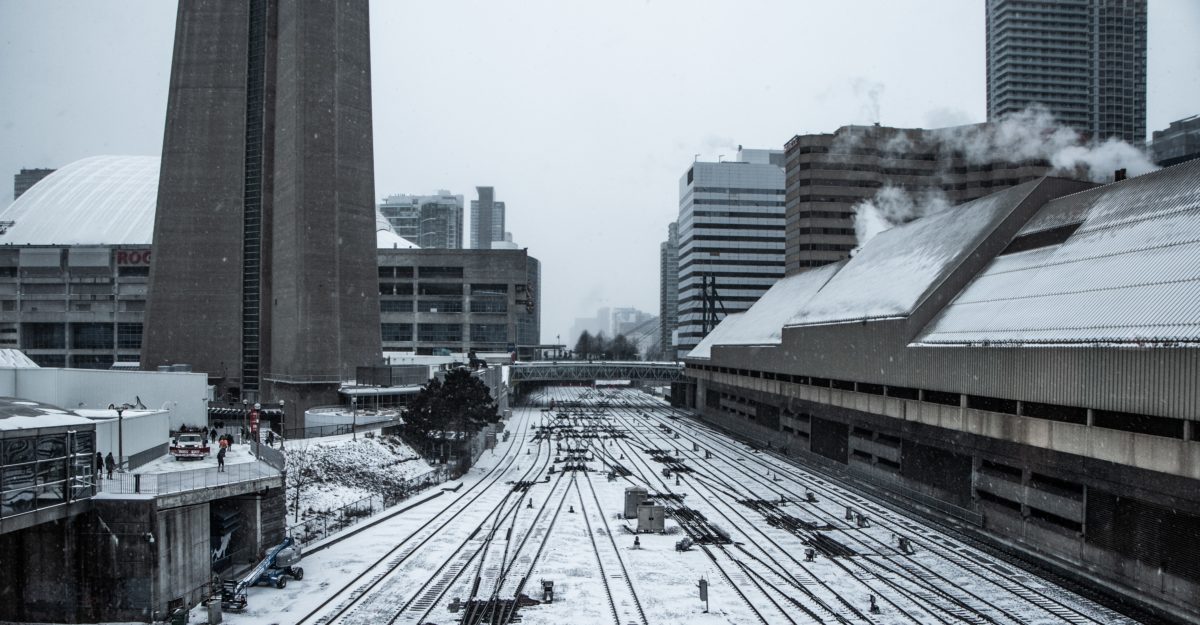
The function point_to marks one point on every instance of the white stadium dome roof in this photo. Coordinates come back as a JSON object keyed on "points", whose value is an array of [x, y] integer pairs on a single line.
{"points": [[106, 200]]}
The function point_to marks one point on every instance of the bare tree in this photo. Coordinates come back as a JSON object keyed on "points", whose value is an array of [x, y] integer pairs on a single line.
{"points": [[301, 472]]}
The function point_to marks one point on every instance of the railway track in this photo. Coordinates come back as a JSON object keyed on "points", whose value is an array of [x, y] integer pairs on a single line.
{"points": [[940, 580], [1054, 609], [366, 586]]}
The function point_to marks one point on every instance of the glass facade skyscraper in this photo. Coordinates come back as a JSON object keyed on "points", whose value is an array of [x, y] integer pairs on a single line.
{"points": [[1084, 60], [731, 236]]}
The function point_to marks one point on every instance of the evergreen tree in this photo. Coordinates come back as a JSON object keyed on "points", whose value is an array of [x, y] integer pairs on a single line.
{"points": [[623, 349], [583, 347], [459, 403]]}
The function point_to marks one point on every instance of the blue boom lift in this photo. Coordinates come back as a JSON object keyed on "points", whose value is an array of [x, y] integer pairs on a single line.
{"points": [[279, 564]]}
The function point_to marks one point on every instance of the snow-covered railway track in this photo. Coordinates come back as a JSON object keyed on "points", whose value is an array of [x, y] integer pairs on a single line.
{"points": [[373, 581], [622, 598], [767, 575], [733, 576], [504, 583], [928, 603], [1028, 599]]}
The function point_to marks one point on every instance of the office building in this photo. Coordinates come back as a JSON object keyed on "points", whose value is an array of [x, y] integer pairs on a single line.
{"points": [[668, 291], [487, 220], [264, 270], [439, 301], [1014, 363], [1084, 60], [627, 320], [731, 238], [430, 221], [27, 178], [1177, 143], [829, 173]]}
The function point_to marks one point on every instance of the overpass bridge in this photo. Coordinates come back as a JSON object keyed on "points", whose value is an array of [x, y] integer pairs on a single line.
{"points": [[583, 371]]}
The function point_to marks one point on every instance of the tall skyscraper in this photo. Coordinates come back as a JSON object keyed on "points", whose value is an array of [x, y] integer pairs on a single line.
{"points": [[264, 269], [668, 289], [27, 178], [487, 219], [430, 221], [731, 238], [1084, 60]]}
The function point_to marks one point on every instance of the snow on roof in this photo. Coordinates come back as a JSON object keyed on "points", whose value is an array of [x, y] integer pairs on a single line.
{"points": [[15, 359], [386, 237], [1129, 274], [727, 326], [763, 323], [894, 271], [22, 414], [107, 200]]}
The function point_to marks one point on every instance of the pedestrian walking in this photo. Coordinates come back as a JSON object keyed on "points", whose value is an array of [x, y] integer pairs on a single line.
{"points": [[270, 438], [221, 459], [212, 435], [99, 464], [109, 464]]}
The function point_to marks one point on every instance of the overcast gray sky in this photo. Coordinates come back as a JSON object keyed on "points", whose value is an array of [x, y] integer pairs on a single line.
{"points": [[583, 115]]}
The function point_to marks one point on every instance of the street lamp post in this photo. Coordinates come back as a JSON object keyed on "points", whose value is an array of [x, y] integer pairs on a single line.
{"points": [[121, 438], [354, 418], [245, 416], [282, 421]]}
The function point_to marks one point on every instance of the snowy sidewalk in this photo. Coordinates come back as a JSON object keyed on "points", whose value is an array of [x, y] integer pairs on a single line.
{"points": [[167, 475]]}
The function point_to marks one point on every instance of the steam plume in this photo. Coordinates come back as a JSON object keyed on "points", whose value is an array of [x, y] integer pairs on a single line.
{"points": [[1031, 135]]}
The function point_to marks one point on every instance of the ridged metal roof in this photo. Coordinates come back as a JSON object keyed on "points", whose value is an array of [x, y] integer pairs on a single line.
{"points": [[716, 337], [1130, 274], [894, 271], [107, 200], [763, 323], [100, 200]]}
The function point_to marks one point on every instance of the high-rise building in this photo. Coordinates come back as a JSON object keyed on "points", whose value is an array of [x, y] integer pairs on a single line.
{"points": [[829, 173], [27, 178], [487, 220], [731, 238], [430, 221], [264, 274], [1178, 142], [1084, 60], [668, 289]]}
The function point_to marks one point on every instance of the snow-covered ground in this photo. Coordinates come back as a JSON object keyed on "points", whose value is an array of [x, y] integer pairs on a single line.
{"points": [[339, 470], [506, 522]]}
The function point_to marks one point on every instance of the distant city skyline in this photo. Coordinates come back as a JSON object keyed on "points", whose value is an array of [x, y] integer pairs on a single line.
{"points": [[590, 111]]}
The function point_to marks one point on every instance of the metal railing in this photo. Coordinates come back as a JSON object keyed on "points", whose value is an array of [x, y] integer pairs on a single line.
{"points": [[185, 481], [314, 527], [269, 455], [147, 456], [317, 431]]}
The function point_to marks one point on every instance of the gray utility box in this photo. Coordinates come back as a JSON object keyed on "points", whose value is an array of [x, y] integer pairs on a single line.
{"points": [[651, 518], [634, 497]]}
